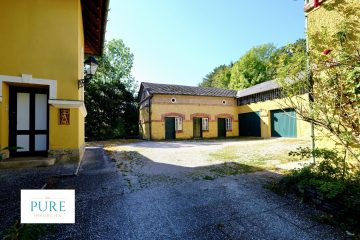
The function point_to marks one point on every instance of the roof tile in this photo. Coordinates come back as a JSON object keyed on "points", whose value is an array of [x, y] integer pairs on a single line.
{"points": [[157, 88]]}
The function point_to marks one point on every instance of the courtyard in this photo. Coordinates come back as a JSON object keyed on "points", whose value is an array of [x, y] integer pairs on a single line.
{"points": [[208, 189], [187, 190]]}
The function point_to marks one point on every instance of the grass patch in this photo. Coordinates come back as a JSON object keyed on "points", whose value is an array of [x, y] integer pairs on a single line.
{"points": [[229, 169], [28, 231], [207, 177], [268, 158]]}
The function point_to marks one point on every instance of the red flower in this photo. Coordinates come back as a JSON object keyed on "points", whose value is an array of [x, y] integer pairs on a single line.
{"points": [[316, 3], [327, 51]]}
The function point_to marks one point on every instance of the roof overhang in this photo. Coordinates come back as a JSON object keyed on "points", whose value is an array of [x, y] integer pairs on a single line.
{"points": [[94, 14]]}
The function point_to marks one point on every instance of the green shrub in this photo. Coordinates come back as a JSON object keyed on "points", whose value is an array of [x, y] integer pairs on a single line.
{"points": [[331, 176], [25, 231]]}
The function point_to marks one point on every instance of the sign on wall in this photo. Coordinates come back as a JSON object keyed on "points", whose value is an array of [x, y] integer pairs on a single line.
{"points": [[64, 116]]}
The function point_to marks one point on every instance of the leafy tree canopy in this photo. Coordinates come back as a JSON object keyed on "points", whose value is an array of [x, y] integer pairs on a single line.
{"points": [[258, 65], [109, 97], [253, 67], [218, 78], [116, 64]]}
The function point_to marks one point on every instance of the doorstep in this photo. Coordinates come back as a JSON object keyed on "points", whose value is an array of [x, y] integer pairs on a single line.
{"points": [[27, 162]]}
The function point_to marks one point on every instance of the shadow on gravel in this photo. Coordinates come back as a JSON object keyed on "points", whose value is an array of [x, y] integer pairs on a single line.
{"points": [[136, 198]]}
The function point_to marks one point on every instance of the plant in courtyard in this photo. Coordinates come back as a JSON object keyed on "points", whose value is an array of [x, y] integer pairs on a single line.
{"points": [[330, 76], [25, 231], [326, 184], [332, 81], [7, 148]]}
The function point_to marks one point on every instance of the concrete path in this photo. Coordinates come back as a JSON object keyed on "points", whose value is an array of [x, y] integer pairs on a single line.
{"points": [[231, 207]]}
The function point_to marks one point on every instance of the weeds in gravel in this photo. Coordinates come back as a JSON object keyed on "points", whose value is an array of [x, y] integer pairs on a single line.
{"points": [[207, 177], [263, 159], [27, 231], [228, 169]]}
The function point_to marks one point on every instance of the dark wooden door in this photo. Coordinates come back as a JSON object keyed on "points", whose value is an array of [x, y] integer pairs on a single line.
{"points": [[169, 128], [28, 121], [197, 126], [249, 124], [221, 127]]}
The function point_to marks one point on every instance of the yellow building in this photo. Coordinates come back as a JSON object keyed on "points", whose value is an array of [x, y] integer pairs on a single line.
{"points": [[185, 112], [42, 50]]}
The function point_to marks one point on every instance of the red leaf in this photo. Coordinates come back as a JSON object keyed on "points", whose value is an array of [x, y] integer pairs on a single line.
{"points": [[327, 51]]}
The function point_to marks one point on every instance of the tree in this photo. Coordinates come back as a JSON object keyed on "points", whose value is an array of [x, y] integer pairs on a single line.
{"points": [[116, 64], [253, 67], [332, 80], [259, 64], [218, 78], [109, 99]]}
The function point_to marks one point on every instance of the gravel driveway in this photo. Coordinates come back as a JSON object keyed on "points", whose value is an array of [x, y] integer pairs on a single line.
{"points": [[161, 190], [143, 163]]}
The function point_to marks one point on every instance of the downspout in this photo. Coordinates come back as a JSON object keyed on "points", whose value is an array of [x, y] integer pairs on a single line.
{"points": [[150, 122], [310, 81]]}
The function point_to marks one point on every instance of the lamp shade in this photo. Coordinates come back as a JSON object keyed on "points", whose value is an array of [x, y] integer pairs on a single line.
{"points": [[91, 65]]}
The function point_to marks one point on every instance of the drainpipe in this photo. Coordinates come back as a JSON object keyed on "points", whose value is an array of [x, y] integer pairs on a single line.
{"points": [[310, 81], [150, 122]]}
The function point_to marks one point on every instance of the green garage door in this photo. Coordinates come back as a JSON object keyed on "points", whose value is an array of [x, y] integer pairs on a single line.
{"points": [[249, 124], [283, 123]]}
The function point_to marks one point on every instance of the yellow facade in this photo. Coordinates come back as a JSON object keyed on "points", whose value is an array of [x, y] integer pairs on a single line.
{"points": [[188, 107], [323, 24], [42, 45], [303, 129]]}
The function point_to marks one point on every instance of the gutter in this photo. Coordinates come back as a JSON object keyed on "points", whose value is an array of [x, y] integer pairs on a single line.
{"points": [[104, 23]]}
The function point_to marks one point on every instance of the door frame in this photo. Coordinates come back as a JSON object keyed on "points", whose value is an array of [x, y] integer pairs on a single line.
{"points": [[13, 90]]}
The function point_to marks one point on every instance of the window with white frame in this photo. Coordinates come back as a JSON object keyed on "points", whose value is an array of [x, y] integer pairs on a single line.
{"points": [[205, 124], [178, 124], [228, 124]]}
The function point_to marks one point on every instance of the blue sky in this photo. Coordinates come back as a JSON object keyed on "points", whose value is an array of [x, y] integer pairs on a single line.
{"points": [[180, 41]]}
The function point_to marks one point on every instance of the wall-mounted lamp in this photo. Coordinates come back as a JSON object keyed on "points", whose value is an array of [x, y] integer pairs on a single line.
{"points": [[90, 67]]}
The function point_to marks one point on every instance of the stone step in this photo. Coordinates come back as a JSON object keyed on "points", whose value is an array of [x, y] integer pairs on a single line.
{"points": [[27, 162]]}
